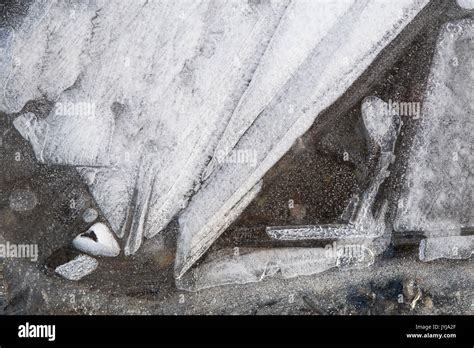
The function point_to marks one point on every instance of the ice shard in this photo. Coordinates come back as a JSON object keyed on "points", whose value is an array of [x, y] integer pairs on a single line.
{"points": [[439, 188], [77, 268], [251, 266], [242, 266], [453, 247]]}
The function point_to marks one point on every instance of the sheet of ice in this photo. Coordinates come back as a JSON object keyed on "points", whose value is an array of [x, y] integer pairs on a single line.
{"points": [[315, 19], [439, 189], [77, 268], [6, 36], [242, 266], [454, 247], [251, 266], [37, 63], [142, 91], [328, 70]]}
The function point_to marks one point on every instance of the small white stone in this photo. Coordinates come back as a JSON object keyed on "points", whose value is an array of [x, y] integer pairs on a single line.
{"points": [[98, 241], [376, 117], [90, 215], [78, 268], [467, 4]]}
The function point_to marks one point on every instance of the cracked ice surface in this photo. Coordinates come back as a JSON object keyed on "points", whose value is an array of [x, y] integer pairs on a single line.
{"points": [[328, 70], [169, 85], [438, 198]]}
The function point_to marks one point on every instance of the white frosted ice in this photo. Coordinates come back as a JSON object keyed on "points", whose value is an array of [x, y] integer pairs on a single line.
{"points": [[149, 78], [439, 188], [256, 265], [319, 80], [304, 25], [77, 268], [453, 247], [378, 122], [467, 4]]}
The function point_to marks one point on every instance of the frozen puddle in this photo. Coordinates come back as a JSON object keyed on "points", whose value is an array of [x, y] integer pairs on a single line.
{"points": [[152, 97]]}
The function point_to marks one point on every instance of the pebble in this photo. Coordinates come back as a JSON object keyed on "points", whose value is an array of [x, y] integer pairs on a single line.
{"points": [[98, 240], [90, 215], [409, 289], [466, 4], [428, 302]]}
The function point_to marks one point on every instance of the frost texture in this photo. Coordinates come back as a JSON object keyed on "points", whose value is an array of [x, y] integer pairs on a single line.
{"points": [[159, 81], [329, 69], [438, 199], [467, 4], [167, 87], [255, 265], [78, 268], [454, 247]]}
